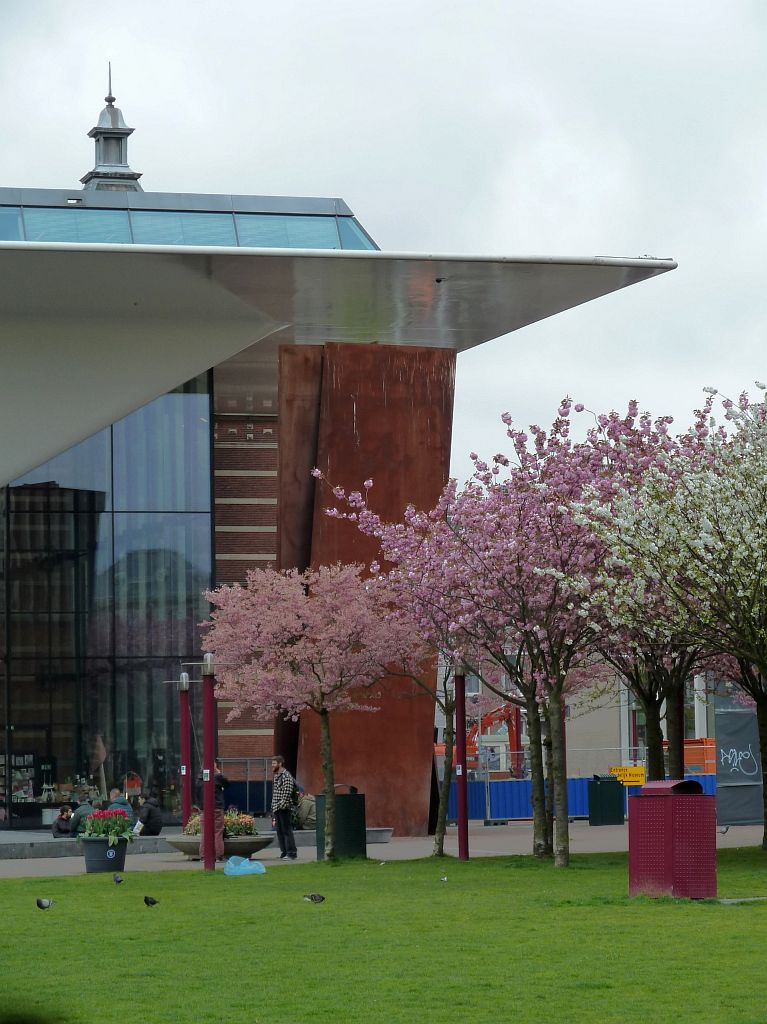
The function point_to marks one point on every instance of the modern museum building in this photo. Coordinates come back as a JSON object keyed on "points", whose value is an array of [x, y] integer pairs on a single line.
{"points": [[173, 365]]}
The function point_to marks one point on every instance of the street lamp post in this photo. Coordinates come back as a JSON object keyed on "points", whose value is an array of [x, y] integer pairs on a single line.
{"points": [[208, 767], [186, 749], [459, 675]]}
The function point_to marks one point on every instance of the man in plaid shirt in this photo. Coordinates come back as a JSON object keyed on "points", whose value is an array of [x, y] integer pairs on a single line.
{"points": [[282, 802]]}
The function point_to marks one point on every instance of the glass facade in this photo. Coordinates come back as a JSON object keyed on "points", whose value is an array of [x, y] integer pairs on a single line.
{"points": [[161, 227], [107, 549], [107, 553]]}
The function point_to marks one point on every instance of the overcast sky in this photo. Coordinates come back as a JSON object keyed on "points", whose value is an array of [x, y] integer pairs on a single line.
{"points": [[498, 127]]}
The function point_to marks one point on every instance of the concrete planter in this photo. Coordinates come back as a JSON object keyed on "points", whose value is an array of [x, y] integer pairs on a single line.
{"points": [[240, 846]]}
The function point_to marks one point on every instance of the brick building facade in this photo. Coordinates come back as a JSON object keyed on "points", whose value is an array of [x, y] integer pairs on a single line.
{"points": [[245, 517]]}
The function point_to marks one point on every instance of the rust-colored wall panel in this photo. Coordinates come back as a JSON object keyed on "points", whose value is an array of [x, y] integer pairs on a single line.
{"points": [[386, 413], [300, 380], [298, 403]]}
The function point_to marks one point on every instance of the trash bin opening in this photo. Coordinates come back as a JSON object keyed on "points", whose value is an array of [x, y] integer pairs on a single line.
{"points": [[669, 786]]}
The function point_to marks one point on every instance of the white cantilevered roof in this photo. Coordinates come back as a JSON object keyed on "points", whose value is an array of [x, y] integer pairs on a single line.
{"points": [[88, 333]]}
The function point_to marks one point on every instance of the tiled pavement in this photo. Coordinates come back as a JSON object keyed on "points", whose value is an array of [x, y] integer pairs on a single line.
{"points": [[484, 841]]}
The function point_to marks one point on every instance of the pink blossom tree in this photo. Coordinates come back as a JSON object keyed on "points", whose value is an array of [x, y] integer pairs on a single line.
{"points": [[507, 572], [314, 641], [489, 570]]}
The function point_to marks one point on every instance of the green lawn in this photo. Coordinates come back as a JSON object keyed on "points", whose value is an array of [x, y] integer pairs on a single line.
{"points": [[504, 939]]}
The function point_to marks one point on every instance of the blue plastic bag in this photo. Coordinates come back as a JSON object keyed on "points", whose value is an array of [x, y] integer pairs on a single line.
{"points": [[242, 866]]}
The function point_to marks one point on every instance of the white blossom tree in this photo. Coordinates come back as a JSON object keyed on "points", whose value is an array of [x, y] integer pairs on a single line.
{"points": [[697, 536]]}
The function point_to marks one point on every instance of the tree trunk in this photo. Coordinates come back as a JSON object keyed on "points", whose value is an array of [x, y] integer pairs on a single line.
{"points": [[656, 770], [675, 731], [330, 786], [761, 718], [558, 753], [548, 764], [447, 778], [537, 797]]}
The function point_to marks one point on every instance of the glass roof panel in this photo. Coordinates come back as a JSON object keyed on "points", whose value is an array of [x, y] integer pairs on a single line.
{"points": [[352, 235], [273, 231], [158, 227], [10, 224], [63, 225]]}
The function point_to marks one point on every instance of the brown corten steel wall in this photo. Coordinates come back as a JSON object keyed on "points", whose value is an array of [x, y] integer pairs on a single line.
{"points": [[300, 383], [298, 400], [386, 413]]}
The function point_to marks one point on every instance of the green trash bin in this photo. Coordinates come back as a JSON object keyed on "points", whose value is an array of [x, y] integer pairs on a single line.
{"points": [[606, 800], [351, 837]]}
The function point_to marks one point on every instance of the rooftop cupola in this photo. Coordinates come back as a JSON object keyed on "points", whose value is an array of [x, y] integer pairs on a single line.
{"points": [[111, 172]]}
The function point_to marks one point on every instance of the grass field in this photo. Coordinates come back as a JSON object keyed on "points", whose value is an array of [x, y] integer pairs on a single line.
{"points": [[503, 939]]}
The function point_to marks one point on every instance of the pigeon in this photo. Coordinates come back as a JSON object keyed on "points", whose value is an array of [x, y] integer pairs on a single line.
{"points": [[314, 897], [724, 831], [118, 879], [151, 901], [43, 904]]}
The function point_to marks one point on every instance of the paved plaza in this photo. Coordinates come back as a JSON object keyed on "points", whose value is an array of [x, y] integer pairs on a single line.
{"points": [[484, 841]]}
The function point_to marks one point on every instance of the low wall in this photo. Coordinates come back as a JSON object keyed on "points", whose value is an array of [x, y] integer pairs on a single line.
{"points": [[23, 848]]}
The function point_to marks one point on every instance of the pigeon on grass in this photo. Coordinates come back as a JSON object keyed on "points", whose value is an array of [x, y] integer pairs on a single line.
{"points": [[44, 904], [151, 901], [118, 879], [314, 897]]}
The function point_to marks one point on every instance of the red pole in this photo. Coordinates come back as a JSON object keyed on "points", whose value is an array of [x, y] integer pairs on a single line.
{"points": [[208, 767], [186, 748], [460, 762], [517, 759]]}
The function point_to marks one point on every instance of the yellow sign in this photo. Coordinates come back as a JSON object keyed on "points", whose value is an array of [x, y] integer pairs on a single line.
{"points": [[628, 774]]}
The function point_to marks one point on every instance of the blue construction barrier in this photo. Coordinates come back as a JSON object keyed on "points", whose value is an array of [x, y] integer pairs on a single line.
{"points": [[510, 798]]}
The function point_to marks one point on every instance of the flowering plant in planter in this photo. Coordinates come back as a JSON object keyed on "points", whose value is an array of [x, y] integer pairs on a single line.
{"points": [[235, 824], [109, 825]]}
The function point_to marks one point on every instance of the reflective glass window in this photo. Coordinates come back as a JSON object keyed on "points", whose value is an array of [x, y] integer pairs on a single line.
{"points": [[79, 479], [28, 590], [28, 635], [352, 235], [162, 568], [162, 456], [104, 605], [61, 583], [10, 224], [273, 231], [144, 742], [57, 706], [29, 533], [157, 227], [75, 225]]}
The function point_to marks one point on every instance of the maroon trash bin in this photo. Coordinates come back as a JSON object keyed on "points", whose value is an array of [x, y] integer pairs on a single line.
{"points": [[672, 841]]}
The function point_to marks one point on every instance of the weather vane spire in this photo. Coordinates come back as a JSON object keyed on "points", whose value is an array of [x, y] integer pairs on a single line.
{"points": [[110, 98], [111, 172]]}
